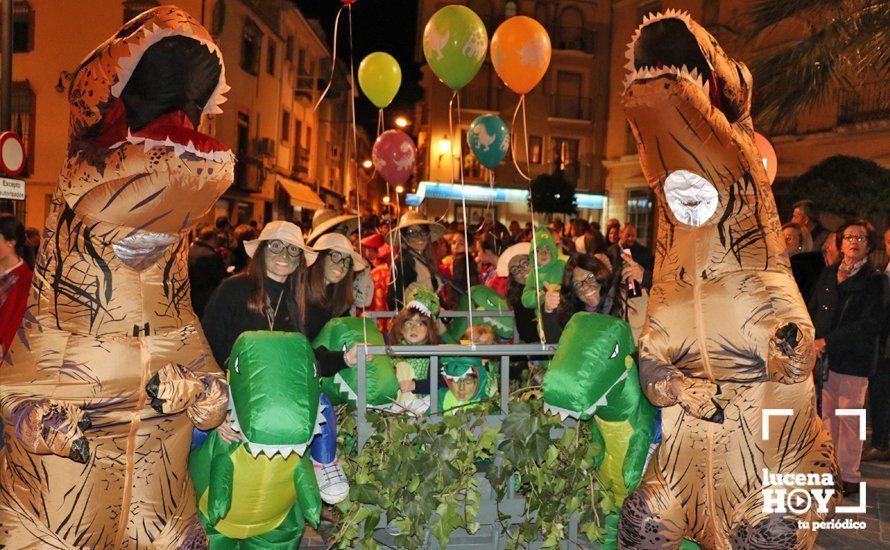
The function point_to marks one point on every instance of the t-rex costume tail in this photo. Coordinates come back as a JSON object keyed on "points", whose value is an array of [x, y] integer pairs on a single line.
{"points": [[727, 334], [110, 370]]}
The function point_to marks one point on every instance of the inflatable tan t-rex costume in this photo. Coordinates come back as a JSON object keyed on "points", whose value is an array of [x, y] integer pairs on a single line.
{"points": [[110, 370], [727, 334]]}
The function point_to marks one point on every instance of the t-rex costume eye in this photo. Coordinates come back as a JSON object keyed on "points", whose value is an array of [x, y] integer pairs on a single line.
{"points": [[726, 324], [111, 371]]}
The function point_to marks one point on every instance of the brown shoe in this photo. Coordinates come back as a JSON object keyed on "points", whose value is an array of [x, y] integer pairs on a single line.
{"points": [[875, 454], [850, 488]]}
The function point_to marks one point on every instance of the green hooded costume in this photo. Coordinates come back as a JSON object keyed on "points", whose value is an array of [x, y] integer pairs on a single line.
{"points": [[594, 375], [484, 299], [550, 274], [457, 368], [262, 488]]}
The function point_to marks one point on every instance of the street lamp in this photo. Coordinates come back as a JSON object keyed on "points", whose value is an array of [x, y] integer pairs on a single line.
{"points": [[402, 122], [386, 199], [400, 189], [367, 164], [444, 146]]}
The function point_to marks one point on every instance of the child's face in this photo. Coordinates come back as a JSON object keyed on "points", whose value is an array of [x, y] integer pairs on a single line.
{"points": [[414, 330], [544, 256], [465, 388]]}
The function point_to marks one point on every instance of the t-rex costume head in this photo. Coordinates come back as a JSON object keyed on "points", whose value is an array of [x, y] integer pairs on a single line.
{"points": [[265, 484], [110, 354], [594, 375], [727, 334], [484, 299]]}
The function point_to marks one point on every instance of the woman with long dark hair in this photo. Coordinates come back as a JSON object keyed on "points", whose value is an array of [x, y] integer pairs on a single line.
{"points": [[329, 284], [15, 279], [271, 295], [414, 262], [513, 264], [585, 282]]}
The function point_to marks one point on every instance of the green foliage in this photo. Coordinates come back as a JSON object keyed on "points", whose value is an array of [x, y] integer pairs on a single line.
{"points": [[552, 194], [425, 475], [847, 185]]}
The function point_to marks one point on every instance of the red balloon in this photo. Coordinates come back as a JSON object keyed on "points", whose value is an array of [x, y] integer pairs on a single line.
{"points": [[394, 154], [348, 2], [770, 161]]}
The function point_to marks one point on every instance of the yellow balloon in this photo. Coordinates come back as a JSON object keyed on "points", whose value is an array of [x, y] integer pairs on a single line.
{"points": [[380, 77], [520, 53]]}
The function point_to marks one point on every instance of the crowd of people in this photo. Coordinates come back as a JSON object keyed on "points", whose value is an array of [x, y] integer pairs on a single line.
{"points": [[244, 279]]}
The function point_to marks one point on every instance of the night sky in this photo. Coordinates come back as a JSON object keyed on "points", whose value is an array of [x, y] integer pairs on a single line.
{"points": [[378, 25]]}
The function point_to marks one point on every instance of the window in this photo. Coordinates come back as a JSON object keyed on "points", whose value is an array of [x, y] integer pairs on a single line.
{"points": [[640, 213], [535, 149], [251, 42], [23, 111], [567, 102], [510, 9], [242, 150], [285, 126], [270, 58], [473, 169], [565, 155], [289, 48], [22, 27]]}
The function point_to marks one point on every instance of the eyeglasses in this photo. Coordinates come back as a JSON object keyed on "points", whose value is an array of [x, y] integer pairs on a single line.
{"points": [[857, 238], [277, 247], [415, 233], [589, 280], [340, 258], [522, 266]]}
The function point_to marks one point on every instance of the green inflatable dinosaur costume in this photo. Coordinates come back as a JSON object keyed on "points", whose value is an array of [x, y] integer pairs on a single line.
{"points": [[259, 492], [594, 375], [484, 299], [467, 380], [341, 334]]}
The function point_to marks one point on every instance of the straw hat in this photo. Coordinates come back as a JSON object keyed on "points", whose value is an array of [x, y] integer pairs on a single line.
{"points": [[518, 249], [285, 232], [340, 243], [326, 219], [412, 218]]}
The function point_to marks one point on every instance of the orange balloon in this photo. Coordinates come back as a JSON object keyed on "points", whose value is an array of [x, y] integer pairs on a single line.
{"points": [[520, 53], [770, 160]]}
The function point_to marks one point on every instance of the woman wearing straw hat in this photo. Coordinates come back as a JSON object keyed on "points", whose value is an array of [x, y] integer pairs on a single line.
{"points": [[326, 222], [414, 262], [270, 295], [329, 291]]}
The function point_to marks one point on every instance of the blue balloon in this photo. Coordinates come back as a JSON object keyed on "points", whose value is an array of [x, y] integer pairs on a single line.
{"points": [[489, 140]]}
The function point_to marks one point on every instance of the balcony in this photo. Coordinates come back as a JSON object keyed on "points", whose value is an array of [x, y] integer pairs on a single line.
{"points": [[482, 98], [301, 163], [867, 102], [570, 106], [575, 38]]}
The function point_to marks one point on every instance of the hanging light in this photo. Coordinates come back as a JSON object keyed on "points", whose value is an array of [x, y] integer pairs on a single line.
{"points": [[444, 146], [367, 164], [402, 122], [386, 199], [400, 189]]}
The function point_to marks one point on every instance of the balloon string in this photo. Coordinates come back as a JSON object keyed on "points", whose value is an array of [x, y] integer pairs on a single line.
{"points": [[531, 207], [334, 57], [358, 195], [380, 126], [463, 201], [521, 104]]}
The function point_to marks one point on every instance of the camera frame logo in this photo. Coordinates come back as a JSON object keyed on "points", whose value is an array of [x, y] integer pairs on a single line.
{"points": [[798, 493]]}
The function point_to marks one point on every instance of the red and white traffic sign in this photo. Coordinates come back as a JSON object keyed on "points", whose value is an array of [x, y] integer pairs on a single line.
{"points": [[12, 154]]}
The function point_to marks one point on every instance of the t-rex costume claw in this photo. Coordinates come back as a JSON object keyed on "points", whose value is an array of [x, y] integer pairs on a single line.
{"points": [[727, 330], [110, 370]]}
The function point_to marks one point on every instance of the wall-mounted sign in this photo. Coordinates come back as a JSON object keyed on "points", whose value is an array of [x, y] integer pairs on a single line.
{"points": [[12, 189], [12, 154]]}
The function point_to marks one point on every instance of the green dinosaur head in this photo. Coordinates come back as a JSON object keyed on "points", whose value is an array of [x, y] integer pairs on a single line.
{"points": [[423, 300], [274, 392], [594, 357], [459, 369], [484, 299], [544, 244]]}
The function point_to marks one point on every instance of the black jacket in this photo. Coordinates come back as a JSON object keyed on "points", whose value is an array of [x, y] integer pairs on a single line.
{"points": [[227, 316], [806, 268], [850, 317], [404, 274], [206, 272]]}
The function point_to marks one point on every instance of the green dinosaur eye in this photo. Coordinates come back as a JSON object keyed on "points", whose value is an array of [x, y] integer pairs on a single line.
{"points": [[615, 352], [235, 366]]}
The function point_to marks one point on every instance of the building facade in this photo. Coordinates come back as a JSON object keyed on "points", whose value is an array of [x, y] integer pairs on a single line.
{"points": [[292, 159], [565, 113], [856, 122]]}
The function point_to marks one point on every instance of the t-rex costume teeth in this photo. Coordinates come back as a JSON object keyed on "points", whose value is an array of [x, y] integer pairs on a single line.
{"points": [[110, 370], [725, 317]]}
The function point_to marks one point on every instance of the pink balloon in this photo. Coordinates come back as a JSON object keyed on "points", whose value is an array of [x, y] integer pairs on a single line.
{"points": [[770, 161], [394, 154]]}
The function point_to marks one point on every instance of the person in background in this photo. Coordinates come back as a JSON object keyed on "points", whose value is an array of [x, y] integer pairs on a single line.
{"points": [[238, 258], [414, 261], [806, 265], [515, 232], [454, 272], [848, 308], [830, 252], [580, 231], [329, 282], [32, 245], [486, 255], [806, 215], [206, 267], [223, 232], [641, 263], [584, 284], [15, 279], [613, 232], [879, 383]]}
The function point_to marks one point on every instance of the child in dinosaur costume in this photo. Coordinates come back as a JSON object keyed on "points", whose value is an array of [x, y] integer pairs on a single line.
{"points": [[110, 371], [593, 375], [727, 334], [549, 269], [484, 299], [467, 381], [263, 488], [416, 325]]}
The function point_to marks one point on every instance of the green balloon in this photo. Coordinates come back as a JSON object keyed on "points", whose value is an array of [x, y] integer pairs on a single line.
{"points": [[380, 76], [454, 44]]}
